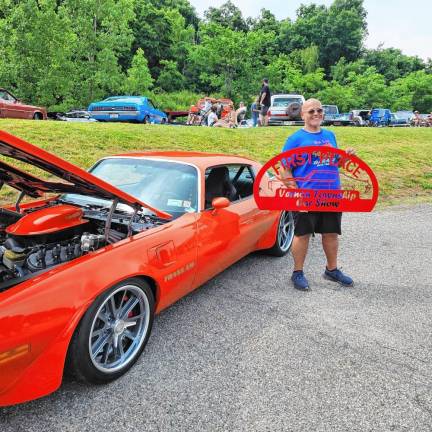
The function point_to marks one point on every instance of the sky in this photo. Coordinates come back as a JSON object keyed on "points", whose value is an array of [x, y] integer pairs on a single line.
{"points": [[402, 24]]}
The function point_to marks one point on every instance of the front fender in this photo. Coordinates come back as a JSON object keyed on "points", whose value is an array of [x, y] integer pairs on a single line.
{"points": [[38, 317]]}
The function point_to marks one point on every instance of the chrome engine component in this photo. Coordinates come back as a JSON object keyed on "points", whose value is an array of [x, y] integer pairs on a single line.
{"points": [[91, 242]]}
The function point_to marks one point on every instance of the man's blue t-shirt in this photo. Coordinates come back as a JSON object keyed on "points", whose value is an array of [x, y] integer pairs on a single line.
{"points": [[319, 174]]}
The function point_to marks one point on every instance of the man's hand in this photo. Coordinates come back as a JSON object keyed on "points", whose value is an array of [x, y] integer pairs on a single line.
{"points": [[350, 151], [285, 176]]}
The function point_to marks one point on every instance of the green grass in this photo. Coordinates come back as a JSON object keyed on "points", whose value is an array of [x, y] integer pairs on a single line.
{"points": [[400, 157]]}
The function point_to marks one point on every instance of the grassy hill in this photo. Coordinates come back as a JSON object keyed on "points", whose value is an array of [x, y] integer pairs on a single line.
{"points": [[400, 157]]}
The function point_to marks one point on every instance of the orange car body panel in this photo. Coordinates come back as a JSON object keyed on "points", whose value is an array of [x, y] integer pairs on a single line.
{"points": [[39, 316]]}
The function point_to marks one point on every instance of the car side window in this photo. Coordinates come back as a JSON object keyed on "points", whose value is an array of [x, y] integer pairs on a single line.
{"points": [[234, 182], [242, 178], [150, 103], [6, 96]]}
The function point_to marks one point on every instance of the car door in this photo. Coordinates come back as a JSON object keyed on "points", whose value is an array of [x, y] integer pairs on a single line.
{"points": [[226, 235], [154, 114], [8, 110], [13, 107]]}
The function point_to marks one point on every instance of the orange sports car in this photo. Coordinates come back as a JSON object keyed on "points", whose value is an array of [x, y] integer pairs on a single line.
{"points": [[86, 265]]}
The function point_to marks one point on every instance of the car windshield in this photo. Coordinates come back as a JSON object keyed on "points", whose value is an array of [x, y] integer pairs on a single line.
{"points": [[281, 102], [168, 186], [330, 109]]}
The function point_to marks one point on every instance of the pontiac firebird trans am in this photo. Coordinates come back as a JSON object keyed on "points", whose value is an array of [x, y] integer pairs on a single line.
{"points": [[86, 265]]}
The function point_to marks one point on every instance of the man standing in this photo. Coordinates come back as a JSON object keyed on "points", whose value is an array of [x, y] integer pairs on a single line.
{"points": [[328, 224], [264, 100]]}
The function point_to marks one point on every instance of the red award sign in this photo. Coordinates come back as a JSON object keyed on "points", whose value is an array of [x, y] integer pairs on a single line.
{"points": [[342, 182]]}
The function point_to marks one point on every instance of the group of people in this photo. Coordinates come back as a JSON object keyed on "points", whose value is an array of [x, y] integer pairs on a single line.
{"points": [[217, 114], [230, 120], [417, 120]]}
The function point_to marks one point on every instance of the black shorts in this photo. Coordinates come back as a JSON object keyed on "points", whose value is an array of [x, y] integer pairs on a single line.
{"points": [[264, 110], [317, 222]]}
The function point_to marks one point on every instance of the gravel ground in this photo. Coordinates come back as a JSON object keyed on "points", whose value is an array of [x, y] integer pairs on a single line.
{"points": [[247, 352]]}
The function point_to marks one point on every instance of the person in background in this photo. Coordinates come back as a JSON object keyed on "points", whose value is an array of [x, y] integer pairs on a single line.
{"points": [[264, 101], [328, 224], [212, 118], [416, 120], [240, 113], [207, 106], [255, 112]]}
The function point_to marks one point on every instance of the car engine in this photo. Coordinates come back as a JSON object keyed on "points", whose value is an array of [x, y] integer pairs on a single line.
{"points": [[37, 239]]}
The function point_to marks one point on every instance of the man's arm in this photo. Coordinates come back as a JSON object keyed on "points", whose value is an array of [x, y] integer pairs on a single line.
{"points": [[286, 177]]}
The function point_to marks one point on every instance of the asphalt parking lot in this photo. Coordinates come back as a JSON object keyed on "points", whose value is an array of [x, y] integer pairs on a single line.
{"points": [[246, 352]]}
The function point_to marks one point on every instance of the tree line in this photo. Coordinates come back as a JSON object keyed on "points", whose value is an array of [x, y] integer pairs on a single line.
{"points": [[67, 53]]}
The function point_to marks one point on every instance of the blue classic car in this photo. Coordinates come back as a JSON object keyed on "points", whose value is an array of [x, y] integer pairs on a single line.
{"points": [[127, 108], [380, 117]]}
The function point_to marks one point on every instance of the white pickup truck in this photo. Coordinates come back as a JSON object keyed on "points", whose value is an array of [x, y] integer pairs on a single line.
{"points": [[285, 110]]}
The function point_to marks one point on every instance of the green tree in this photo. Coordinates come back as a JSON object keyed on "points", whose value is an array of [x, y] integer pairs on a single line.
{"points": [[341, 95], [228, 15], [222, 67], [139, 80], [413, 91], [392, 63], [170, 79], [340, 71], [36, 43], [306, 59], [151, 31], [266, 22], [181, 37], [338, 31], [103, 36]]}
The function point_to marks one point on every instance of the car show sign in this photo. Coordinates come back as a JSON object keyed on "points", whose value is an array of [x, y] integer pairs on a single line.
{"points": [[330, 179]]}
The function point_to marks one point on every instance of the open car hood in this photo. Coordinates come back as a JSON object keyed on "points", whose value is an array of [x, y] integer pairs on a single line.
{"points": [[74, 179]]}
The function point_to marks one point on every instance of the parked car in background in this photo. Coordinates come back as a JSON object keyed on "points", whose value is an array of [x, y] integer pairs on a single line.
{"points": [[12, 107], [76, 116], [360, 117], [343, 120], [397, 121], [285, 109], [380, 117], [128, 109], [407, 115], [331, 112]]}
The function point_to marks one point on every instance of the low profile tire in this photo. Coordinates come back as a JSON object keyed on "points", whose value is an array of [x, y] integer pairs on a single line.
{"points": [[285, 235], [112, 333], [37, 116], [164, 121], [146, 120]]}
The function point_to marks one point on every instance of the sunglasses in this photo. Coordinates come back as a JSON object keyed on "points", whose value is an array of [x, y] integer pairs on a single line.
{"points": [[313, 111]]}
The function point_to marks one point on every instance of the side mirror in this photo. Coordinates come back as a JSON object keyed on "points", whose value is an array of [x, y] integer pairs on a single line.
{"points": [[220, 203]]}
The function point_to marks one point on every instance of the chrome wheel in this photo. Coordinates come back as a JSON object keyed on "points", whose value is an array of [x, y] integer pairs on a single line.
{"points": [[286, 231], [119, 328]]}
